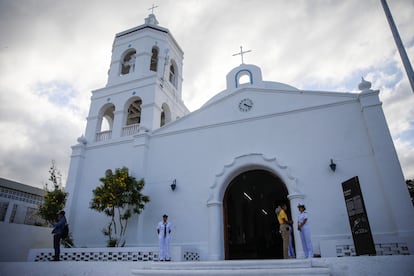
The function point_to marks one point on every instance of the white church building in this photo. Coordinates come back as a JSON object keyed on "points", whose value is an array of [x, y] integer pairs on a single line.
{"points": [[250, 148]]}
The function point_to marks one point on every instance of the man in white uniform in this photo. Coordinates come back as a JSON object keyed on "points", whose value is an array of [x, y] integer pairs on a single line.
{"points": [[305, 234], [164, 231]]}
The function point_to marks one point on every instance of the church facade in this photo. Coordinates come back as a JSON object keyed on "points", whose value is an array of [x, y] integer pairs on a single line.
{"points": [[250, 148]]}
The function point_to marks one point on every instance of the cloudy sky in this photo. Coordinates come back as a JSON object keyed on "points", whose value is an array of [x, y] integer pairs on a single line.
{"points": [[53, 53]]}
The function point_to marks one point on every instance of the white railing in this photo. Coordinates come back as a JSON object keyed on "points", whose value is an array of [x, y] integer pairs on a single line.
{"points": [[103, 135], [134, 254], [130, 130]]}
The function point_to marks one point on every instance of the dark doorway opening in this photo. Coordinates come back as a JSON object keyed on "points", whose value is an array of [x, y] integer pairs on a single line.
{"points": [[251, 227]]}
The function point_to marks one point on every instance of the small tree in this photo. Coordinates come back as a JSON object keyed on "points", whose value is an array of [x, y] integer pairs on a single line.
{"points": [[54, 200], [118, 197]]}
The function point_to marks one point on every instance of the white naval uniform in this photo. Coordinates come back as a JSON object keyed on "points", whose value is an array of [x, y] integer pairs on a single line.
{"points": [[305, 235], [164, 229]]}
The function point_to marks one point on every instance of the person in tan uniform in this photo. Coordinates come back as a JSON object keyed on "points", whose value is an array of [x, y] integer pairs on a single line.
{"points": [[284, 228]]}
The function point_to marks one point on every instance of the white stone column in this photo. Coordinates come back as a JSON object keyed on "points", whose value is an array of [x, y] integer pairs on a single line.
{"points": [[150, 116], [91, 128], [118, 124], [142, 65], [397, 200], [215, 231], [114, 70], [74, 173], [295, 199]]}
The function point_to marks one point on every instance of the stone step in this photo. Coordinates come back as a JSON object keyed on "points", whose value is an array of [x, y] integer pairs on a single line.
{"points": [[234, 264], [315, 271], [233, 268]]}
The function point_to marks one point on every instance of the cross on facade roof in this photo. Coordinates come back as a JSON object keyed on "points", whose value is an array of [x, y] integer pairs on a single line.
{"points": [[152, 8], [241, 53]]}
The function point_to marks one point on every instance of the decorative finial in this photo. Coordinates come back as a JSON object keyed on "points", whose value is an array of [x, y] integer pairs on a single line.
{"points": [[151, 20], [364, 85], [82, 140], [241, 53]]}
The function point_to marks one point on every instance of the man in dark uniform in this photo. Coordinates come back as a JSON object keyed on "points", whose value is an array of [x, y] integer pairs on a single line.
{"points": [[57, 233]]}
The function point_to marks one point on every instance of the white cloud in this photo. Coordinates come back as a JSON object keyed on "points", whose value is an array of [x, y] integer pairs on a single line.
{"points": [[54, 53]]}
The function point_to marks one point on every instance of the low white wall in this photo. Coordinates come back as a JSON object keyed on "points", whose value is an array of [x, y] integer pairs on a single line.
{"points": [[106, 254], [383, 246], [17, 239], [395, 265]]}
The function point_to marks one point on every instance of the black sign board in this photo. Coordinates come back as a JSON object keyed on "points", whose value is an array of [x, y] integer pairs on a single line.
{"points": [[358, 219]]}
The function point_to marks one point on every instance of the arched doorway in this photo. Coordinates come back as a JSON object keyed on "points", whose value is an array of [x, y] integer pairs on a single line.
{"points": [[251, 227]]}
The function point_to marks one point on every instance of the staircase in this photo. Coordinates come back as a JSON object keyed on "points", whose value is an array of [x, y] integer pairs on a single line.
{"points": [[236, 268]]}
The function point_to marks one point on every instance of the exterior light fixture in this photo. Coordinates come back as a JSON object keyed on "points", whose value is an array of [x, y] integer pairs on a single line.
{"points": [[174, 185], [332, 165]]}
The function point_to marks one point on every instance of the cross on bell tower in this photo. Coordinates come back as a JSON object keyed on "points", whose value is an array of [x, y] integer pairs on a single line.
{"points": [[241, 53], [151, 17], [152, 8]]}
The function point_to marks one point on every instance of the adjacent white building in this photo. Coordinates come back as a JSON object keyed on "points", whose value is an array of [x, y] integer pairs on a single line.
{"points": [[20, 222], [248, 149], [19, 203]]}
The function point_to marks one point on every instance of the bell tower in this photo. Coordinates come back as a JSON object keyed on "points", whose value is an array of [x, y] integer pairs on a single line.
{"points": [[143, 91]]}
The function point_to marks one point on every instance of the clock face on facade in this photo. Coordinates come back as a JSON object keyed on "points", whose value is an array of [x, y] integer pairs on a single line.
{"points": [[245, 105]]}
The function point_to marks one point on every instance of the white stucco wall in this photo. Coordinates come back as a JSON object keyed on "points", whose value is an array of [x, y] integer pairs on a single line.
{"points": [[17, 239], [195, 148]]}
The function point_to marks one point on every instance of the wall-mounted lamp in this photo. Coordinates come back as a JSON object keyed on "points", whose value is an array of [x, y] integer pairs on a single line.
{"points": [[174, 185], [332, 165]]}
